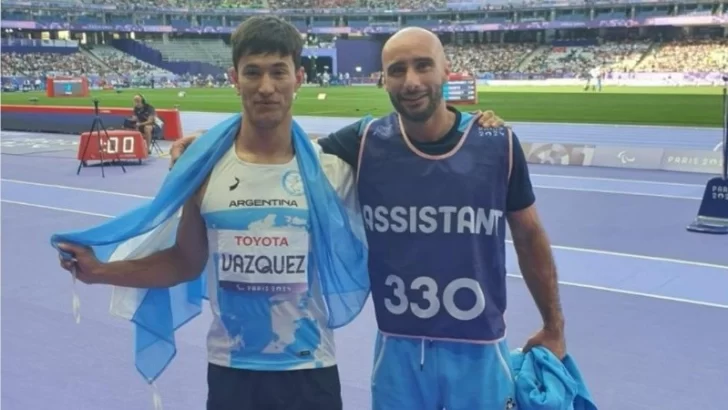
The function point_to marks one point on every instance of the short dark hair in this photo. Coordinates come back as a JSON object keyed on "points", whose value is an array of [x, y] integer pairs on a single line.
{"points": [[266, 35]]}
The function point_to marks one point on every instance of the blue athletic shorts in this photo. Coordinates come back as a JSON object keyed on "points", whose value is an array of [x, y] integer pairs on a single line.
{"points": [[415, 374]]}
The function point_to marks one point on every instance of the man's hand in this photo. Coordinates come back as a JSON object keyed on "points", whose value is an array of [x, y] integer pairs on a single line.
{"points": [[180, 145], [552, 339], [84, 263], [488, 119]]}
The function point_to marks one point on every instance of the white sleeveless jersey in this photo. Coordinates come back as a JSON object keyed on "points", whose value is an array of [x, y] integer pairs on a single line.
{"points": [[269, 313]]}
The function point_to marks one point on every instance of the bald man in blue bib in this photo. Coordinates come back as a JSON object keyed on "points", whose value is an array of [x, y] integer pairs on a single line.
{"points": [[436, 191]]}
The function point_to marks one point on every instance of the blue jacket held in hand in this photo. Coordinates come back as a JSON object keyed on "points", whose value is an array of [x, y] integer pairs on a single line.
{"points": [[543, 382]]}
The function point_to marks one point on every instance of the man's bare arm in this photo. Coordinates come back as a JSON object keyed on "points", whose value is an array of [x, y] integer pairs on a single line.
{"points": [[537, 265], [183, 262]]}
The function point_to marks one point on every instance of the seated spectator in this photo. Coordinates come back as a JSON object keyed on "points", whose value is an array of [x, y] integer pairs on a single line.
{"points": [[487, 58], [559, 61], [53, 64], [696, 56]]}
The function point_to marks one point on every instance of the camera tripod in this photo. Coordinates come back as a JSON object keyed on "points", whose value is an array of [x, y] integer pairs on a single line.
{"points": [[96, 128]]}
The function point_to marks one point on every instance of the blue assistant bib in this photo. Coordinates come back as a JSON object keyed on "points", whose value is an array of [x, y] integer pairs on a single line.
{"points": [[436, 232]]}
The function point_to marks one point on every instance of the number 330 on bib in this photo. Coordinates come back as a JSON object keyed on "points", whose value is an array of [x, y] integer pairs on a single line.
{"points": [[432, 300]]}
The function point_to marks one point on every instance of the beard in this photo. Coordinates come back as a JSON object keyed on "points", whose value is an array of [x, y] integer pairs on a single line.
{"points": [[266, 119], [433, 97]]}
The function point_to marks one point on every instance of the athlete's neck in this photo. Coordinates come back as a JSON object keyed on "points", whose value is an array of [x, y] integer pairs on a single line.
{"points": [[435, 128], [265, 146]]}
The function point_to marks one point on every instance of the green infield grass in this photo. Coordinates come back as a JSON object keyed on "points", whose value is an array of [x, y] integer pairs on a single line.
{"points": [[683, 106]]}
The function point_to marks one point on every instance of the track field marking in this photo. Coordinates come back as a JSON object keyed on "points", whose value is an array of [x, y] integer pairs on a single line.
{"points": [[74, 188], [626, 181], [55, 208], [609, 191], [563, 283], [637, 294], [635, 256], [602, 191], [561, 247]]}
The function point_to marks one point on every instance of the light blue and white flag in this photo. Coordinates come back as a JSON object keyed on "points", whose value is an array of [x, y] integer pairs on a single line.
{"points": [[340, 254]]}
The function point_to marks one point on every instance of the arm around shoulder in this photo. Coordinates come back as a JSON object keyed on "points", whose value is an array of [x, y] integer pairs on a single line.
{"points": [[343, 179], [345, 143]]}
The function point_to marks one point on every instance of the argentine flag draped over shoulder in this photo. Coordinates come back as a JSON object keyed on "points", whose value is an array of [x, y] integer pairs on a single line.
{"points": [[340, 254]]}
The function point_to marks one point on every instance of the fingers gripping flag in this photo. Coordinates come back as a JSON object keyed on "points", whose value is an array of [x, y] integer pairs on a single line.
{"points": [[340, 254]]}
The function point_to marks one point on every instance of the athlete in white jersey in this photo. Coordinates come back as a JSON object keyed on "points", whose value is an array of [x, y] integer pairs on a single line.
{"points": [[269, 345], [256, 217]]}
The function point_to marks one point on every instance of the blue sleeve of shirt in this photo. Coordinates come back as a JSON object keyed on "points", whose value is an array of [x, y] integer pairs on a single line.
{"points": [[520, 190], [465, 118], [345, 142]]}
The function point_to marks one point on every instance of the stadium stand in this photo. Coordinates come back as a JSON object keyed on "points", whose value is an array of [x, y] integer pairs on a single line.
{"points": [[9, 62], [123, 63], [560, 61], [55, 64], [213, 51], [488, 58], [687, 55], [291, 4], [193, 48]]}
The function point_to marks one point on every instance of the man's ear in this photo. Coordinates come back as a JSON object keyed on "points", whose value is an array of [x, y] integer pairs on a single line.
{"points": [[300, 73], [233, 77]]}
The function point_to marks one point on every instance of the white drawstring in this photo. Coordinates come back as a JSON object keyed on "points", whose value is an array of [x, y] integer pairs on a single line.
{"points": [[156, 397], [75, 300], [76, 307], [422, 355]]}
